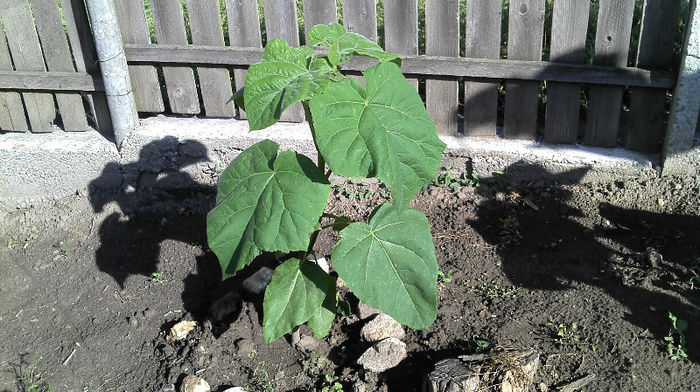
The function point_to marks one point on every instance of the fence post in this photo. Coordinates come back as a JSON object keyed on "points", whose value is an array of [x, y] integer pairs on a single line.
{"points": [[115, 74], [676, 156]]}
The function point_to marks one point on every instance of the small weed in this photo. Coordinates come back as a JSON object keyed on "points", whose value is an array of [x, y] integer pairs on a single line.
{"points": [[331, 384], [694, 281], [65, 250], [31, 379], [480, 344], [260, 379], [675, 340], [196, 246], [359, 190], [446, 178], [29, 240], [510, 232], [156, 277], [315, 364], [491, 291], [572, 335], [445, 277], [12, 243]]}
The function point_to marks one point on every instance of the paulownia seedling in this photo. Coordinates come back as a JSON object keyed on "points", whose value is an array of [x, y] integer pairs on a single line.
{"points": [[271, 201]]}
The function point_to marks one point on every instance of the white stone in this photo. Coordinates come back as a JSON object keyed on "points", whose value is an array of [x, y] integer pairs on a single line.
{"points": [[383, 355], [180, 330], [235, 389], [366, 311], [194, 384], [381, 327]]}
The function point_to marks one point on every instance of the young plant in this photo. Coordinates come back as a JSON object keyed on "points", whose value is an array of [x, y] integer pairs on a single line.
{"points": [[675, 339], [270, 201]]}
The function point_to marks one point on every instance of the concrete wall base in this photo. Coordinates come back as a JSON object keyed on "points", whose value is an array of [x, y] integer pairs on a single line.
{"points": [[173, 152]]}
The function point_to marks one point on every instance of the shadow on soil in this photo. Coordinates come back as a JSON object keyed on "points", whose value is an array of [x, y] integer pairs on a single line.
{"points": [[158, 202], [639, 258]]}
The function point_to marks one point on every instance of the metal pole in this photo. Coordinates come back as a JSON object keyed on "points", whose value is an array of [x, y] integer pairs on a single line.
{"points": [[115, 74], [677, 156]]}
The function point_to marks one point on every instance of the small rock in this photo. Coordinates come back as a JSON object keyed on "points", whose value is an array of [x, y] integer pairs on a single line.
{"points": [[653, 257], [133, 322], [323, 263], [381, 327], [235, 389], [149, 313], [307, 343], [542, 387], [257, 282], [383, 355], [180, 330], [167, 388], [359, 388], [225, 306], [365, 311], [194, 384], [244, 347]]}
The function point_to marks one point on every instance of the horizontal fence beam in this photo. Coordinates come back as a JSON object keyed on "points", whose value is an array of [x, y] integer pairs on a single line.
{"points": [[54, 81], [188, 55]]}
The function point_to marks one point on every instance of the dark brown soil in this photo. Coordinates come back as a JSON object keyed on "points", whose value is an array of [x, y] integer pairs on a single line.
{"points": [[521, 262]]}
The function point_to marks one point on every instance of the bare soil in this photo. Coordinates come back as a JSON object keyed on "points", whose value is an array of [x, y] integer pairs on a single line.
{"points": [[523, 263]]}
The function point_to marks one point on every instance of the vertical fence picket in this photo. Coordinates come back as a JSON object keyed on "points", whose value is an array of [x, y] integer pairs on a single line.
{"points": [[318, 12], [611, 46], [26, 54], [214, 83], [568, 45], [179, 81], [483, 40], [281, 23], [360, 16], [525, 32], [442, 39], [401, 28], [647, 106], [58, 58], [244, 32], [12, 116], [85, 57], [144, 78]]}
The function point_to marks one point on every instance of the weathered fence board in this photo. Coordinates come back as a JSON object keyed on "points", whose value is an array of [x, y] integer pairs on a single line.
{"points": [[360, 16], [483, 40], [318, 12], [422, 65], [525, 31], [401, 28], [611, 46], [647, 106], [58, 58], [243, 31], [85, 57], [179, 81], [214, 83], [144, 78], [568, 45], [12, 116], [281, 23], [442, 39], [26, 54]]}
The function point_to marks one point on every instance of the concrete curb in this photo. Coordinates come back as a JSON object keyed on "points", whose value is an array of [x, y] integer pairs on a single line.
{"points": [[173, 152]]}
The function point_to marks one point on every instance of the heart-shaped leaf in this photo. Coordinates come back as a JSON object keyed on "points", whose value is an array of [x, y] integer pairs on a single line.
{"points": [[295, 293], [381, 130], [390, 264], [285, 75], [265, 202]]}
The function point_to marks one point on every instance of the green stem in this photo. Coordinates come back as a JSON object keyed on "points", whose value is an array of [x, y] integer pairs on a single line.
{"points": [[309, 118]]}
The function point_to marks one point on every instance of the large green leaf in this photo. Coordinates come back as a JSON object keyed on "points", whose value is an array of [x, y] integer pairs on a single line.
{"points": [[265, 202], [322, 319], [285, 75], [343, 45], [390, 264], [381, 130], [297, 290]]}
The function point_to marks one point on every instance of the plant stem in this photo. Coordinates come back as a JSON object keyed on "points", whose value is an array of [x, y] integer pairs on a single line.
{"points": [[309, 118]]}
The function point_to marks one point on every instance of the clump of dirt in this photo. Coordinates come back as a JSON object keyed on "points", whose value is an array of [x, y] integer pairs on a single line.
{"points": [[583, 274]]}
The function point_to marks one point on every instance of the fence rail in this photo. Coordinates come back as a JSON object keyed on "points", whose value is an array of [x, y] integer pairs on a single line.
{"points": [[556, 69]]}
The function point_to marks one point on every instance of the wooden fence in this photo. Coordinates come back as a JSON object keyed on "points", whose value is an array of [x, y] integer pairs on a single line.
{"points": [[48, 68], [477, 63]]}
